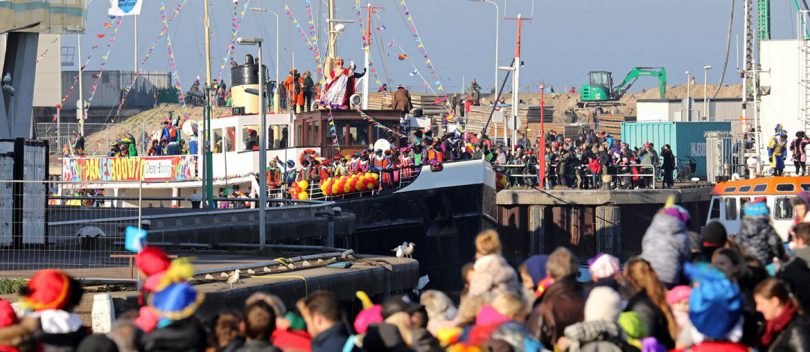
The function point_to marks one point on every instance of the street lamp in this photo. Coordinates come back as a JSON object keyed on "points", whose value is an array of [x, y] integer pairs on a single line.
{"points": [[688, 97], [262, 142], [705, 90], [278, 78], [497, 37]]}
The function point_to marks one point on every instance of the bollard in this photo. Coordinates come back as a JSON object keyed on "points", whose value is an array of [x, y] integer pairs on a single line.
{"points": [[102, 313]]}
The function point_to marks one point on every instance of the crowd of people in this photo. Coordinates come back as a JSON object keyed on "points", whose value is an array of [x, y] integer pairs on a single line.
{"points": [[685, 291]]}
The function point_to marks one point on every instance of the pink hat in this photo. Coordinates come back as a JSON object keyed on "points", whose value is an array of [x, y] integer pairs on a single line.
{"points": [[678, 294], [603, 266], [489, 316], [368, 316]]}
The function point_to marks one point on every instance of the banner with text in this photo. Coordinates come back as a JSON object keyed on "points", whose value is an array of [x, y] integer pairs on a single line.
{"points": [[150, 169]]}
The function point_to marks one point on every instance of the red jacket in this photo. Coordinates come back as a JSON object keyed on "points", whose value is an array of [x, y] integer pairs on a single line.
{"points": [[292, 340]]}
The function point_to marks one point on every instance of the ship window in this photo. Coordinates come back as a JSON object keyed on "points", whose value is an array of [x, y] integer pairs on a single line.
{"points": [[714, 212], [730, 189], [782, 209], [743, 201], [805, 186], [760, 188], [785, 187], [745, 188], [250, 136], [217, 140], [731, 208], [277, 136], [358, 133]]}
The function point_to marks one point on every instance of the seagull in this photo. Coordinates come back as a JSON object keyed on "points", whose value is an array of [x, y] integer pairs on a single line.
{"points": [[233, 278], [267, 269], [409, 250], [251, 271], [320, 261], [400, 250], [7, 88], [209, 277], [224, 274], [305, 263]]}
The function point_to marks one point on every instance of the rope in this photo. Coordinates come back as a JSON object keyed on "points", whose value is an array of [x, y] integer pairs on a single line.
{"points": [[728, 47]]}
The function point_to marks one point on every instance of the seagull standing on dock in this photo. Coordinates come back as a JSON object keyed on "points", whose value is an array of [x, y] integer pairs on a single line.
{"points": [[400, 250], [409, 250], [233, 278]]}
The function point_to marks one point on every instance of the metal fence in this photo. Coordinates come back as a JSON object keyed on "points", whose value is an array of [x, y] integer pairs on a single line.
{"points": [[51, 132], [45, 224]]}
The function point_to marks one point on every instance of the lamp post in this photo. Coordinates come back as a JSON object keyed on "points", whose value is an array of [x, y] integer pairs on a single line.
{"points": [[497, 37], [705, 90], [688, 97], [541, 157], [262, 142], [278, 78]]}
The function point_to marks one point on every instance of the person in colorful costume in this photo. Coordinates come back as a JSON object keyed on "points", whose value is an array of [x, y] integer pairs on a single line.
{"points": [[340, 86]]}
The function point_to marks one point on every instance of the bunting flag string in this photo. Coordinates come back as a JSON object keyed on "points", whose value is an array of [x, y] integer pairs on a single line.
{"points": [[104, 59], [333, 131], [421, 46], [49, 46], [146, 57], [377, 124], [316, 52], [81, 69], [358, 11], [236, 23], [170, 49]]}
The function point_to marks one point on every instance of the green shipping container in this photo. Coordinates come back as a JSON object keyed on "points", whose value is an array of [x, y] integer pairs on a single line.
{"points": [[686, 138]]}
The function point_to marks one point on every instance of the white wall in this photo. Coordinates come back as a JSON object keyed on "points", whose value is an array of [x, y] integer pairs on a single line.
{"points": [[653, 111], [780, 63]]}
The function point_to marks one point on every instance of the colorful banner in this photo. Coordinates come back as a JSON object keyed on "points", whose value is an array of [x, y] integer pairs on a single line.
{"points": [[104, 59], [159, 168], [124, 7], [172, 63], [236, 20], [316, 52], [146, 57], [358, 12], [421, 46]]}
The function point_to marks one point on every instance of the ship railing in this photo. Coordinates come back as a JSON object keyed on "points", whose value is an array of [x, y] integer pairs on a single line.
{"points": [[389, 180]]}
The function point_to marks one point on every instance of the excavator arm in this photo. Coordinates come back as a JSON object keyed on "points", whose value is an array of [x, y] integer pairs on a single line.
{"points": [[637, 72]]}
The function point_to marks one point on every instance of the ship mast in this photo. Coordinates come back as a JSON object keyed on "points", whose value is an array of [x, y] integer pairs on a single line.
{"points": [[332, 39], [207, 47]]}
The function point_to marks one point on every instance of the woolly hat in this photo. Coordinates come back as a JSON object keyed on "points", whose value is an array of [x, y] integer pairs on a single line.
{"points": [[367, 317], [536, 267], [152, 260], [603, 266], [804, 196], [603, 303], [756, 207], [678, 294], [632, 325], [47, 289], [678, 212], [177, 301], [714, 235], [7, 315], [715, 303]]}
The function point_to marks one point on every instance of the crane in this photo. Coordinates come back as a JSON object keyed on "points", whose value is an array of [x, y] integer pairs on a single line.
{"points": [[601, 91]]}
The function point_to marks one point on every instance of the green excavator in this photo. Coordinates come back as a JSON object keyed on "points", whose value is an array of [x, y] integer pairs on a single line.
{"points": [[601, 91]]}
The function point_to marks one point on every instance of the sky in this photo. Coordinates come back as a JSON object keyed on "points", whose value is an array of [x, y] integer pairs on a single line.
{"points": [[562, 42]]}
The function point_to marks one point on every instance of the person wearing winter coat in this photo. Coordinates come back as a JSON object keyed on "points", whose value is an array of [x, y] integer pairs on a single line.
{"points": [[599, 331], [796, 272], [757, 237], [668, 165], [561, 304], [665, 245], [715, 312], [492, 275], [649, 302], [787, 329]]}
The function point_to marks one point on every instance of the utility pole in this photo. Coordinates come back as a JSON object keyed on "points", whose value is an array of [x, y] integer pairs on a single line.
{"points": [[366, 56], [208, 178], [541, 157], [516, 78], [80, 106]]}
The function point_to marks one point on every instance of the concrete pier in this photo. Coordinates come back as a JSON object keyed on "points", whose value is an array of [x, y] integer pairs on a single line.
{"points": [[588, 221]]}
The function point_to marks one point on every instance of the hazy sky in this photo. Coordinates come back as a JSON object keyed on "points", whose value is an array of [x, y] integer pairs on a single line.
{"points": [[564, 41]]}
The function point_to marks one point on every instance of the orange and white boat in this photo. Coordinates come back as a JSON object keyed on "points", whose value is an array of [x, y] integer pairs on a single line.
{"points": [[728, 199]]}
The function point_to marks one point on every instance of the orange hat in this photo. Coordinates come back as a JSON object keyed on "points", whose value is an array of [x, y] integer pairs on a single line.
{"points": [[47, 289]]}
